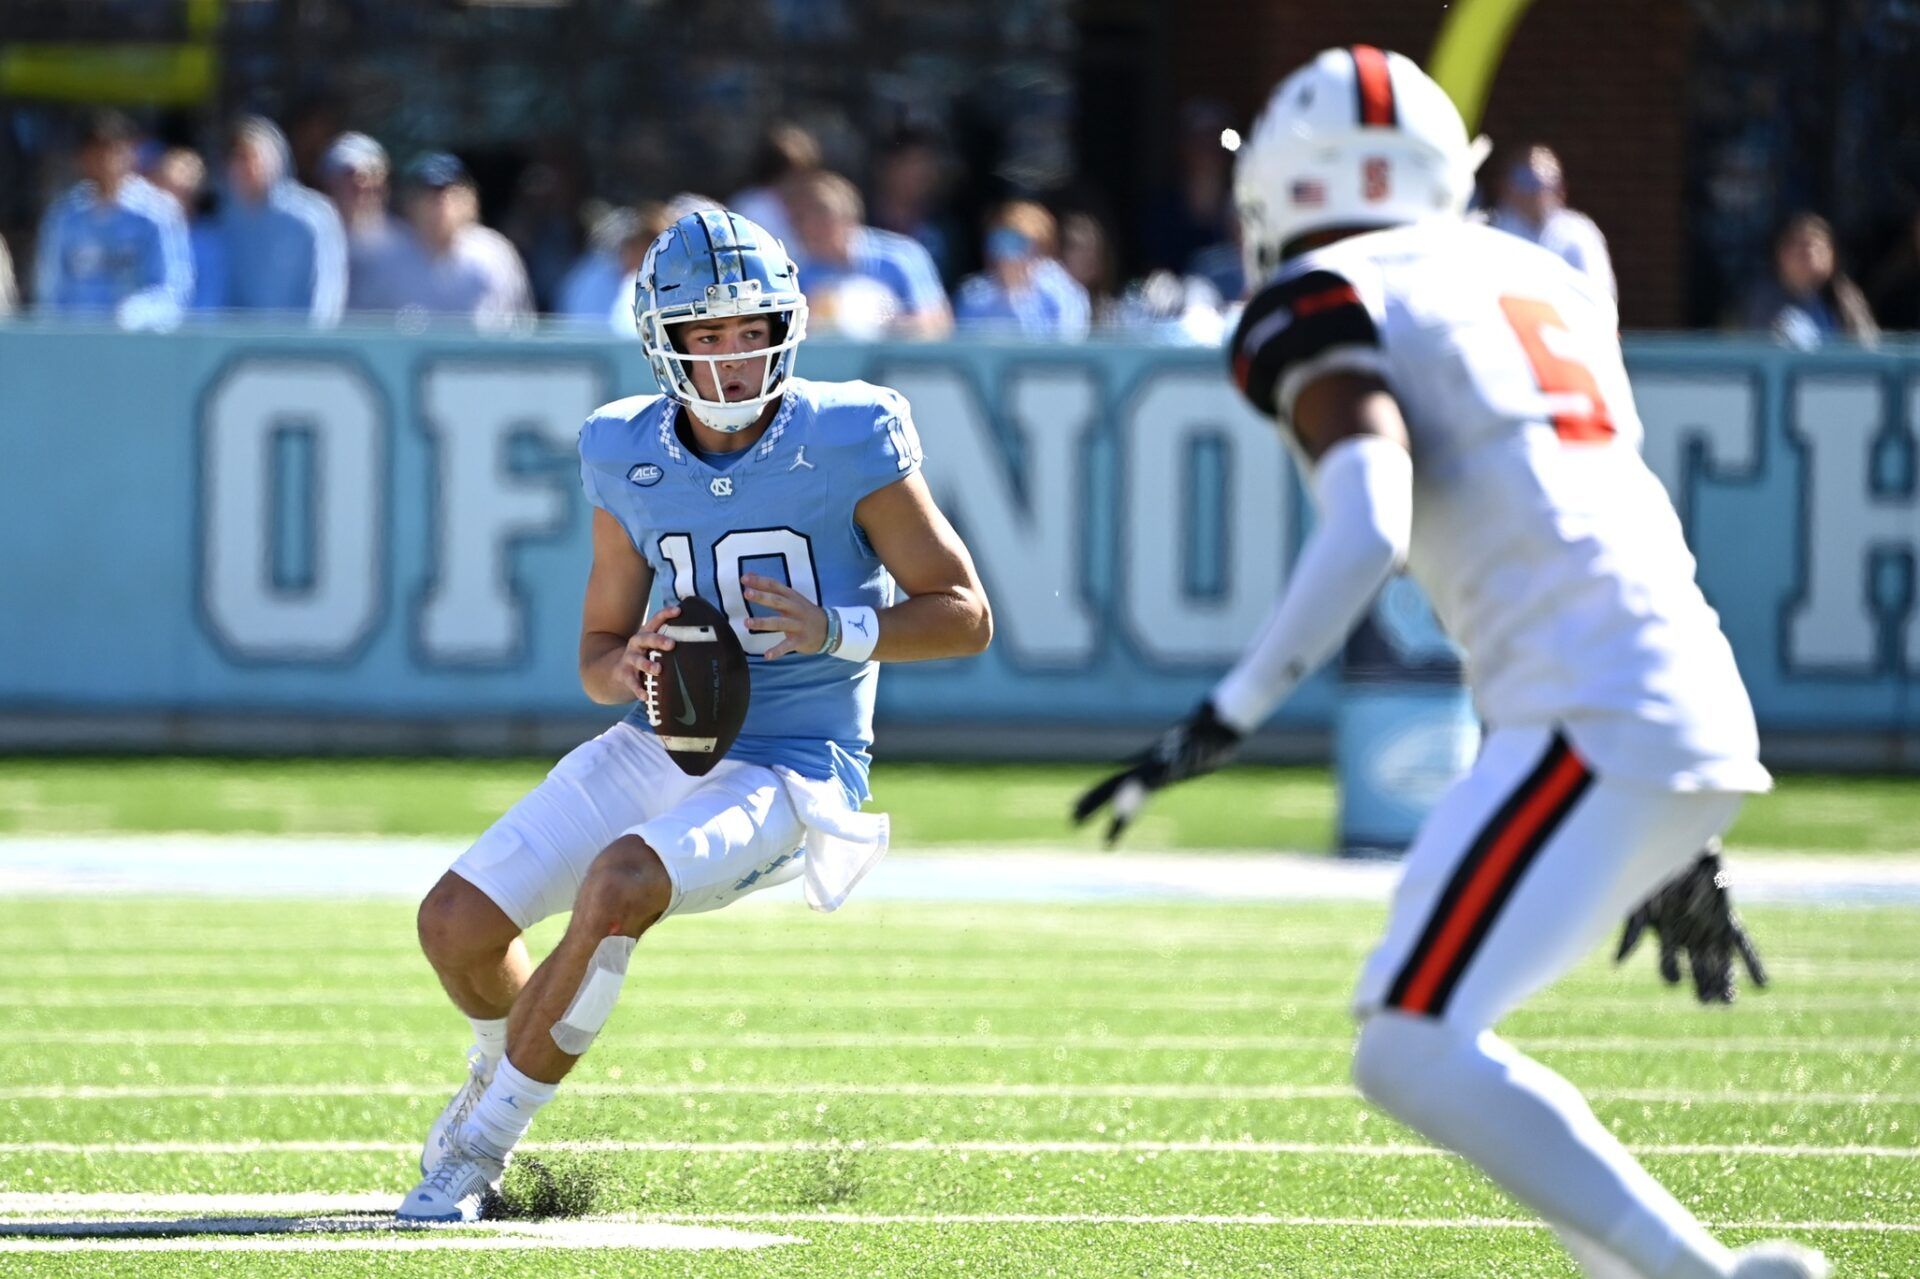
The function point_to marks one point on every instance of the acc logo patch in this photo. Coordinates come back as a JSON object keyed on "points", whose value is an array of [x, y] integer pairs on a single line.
{"points": [[645, 474]]}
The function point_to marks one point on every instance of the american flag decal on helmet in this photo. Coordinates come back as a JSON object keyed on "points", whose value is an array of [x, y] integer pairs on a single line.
{"points": [[1308, 193]]}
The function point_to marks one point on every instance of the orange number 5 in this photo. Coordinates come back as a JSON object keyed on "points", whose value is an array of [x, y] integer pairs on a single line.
{"points": [[1557, 375]]}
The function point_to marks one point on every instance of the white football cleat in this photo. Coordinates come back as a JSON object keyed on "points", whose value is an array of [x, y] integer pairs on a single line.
{"points": [[440, 1136], [459, 1190], [1779, 1259]]}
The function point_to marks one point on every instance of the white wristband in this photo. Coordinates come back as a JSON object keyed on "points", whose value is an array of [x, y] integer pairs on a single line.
{"points": [[859, 632]]}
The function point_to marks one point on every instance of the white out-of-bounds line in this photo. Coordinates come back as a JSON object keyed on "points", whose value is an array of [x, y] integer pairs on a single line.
{"points": [[265, 1234], [18, 1205], [930, 972], [725, 1041], [799, 1090], [921, 1146], [1271, 997]]}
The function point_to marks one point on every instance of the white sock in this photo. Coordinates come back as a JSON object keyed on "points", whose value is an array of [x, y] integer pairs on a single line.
{"points": [[490, 1033], [505, 1111], [1531, 1131]]}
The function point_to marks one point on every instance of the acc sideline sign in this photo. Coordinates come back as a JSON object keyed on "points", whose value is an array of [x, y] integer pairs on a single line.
{"points": [[389, 528]]}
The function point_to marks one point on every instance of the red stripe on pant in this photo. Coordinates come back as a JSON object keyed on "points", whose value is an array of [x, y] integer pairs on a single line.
{"points": [[1486, 878]]}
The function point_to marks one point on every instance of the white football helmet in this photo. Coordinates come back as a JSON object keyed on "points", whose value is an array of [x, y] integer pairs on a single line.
{"points": [[1356, 138]]}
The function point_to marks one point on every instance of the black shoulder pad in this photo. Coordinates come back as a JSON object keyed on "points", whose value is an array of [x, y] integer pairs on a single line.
{"points": [[1290, 322]]}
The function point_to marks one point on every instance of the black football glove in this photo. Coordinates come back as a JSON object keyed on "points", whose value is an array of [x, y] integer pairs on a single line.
{"points": [[1692, 912], [1199, 745]]}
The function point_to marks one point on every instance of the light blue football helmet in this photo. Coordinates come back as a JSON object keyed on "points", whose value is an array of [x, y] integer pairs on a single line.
{"points": [[711, 264]]}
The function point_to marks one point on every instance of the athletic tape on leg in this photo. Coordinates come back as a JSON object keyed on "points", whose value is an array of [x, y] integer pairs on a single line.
{"points": [[593, 1002]]}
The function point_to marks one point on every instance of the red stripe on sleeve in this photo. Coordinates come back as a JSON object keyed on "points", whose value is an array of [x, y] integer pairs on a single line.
{"points": [[1320, 301]]}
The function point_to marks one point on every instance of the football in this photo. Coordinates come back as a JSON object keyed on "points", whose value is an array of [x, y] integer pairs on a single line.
{"points": [[699, 700]]}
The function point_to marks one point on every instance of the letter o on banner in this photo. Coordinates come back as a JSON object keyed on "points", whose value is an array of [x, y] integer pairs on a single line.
{"points": [[1251, 505], [335, 606]]}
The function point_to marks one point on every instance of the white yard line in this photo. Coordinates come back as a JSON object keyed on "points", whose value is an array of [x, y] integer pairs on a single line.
{"points": [[800, 1090], [783, 1041], [339, 866], [1375, 1150], [1238, 1219]]}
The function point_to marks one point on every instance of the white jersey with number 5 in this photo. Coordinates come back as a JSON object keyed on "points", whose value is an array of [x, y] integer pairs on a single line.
{"points": [[1549, 550]]}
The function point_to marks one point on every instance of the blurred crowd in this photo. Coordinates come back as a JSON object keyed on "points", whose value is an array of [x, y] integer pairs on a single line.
{"points": [[152, 237]]}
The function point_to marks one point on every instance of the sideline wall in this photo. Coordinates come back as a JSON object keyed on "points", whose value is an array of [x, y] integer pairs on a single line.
{"points": [[237, 540]]}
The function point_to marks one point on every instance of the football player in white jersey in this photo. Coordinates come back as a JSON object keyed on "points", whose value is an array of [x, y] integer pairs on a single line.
{"points": [[1458, 399]]}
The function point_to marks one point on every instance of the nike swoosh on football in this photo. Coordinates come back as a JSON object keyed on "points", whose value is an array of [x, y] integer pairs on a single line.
{"points": [[686, 697]]}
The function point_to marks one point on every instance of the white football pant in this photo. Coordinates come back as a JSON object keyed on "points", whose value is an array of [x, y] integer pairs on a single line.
{"points": [[1519, 871], [720, 837]]}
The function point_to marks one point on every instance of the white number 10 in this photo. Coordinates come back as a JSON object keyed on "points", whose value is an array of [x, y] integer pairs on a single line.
{"points": [[791, 548]]}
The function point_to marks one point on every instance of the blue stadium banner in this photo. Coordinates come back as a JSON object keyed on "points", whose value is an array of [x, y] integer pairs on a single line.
{"points": [[385, 528]]}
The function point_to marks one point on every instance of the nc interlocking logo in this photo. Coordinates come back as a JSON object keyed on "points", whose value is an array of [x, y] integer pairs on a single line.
{"points": [[722, 486]]}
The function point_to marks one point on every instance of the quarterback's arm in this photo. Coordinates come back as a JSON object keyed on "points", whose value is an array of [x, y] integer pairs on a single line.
{"points": [[1350, 424], [945, 612], [613, 644]]}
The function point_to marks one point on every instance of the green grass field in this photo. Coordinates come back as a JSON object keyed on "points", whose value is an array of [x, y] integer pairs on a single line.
{"points": [[933, 1091], [1249, 808], [913, 1089]]}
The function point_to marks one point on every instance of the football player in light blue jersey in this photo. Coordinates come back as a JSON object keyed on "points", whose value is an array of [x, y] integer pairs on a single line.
{"points": [[799, 509]]}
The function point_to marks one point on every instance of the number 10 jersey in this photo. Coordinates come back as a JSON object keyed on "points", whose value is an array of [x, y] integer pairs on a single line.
{"points": [[1549, 550], [783, 508]]}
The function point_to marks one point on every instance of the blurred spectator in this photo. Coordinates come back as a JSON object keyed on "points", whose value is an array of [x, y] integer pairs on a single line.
{"points": [[1087, 254], [1193, 212], [113, 245], [861, 281], [9, 290], [909, 195], [1182, 310], [1024, 289], [450, 265], [787, 151], [1222, 265], [355, 170], [588, 293], [598, 292], [654, 219], [1806, 299], [313, 122], [544, 224], [182, 174], [1533, 206], [284, 245], [1894, 287]]}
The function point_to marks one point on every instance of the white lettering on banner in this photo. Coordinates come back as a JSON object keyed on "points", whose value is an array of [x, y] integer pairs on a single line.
{"points": [[1025, 525], [1834, 624], [1719, 413], [1167, 621], [336, 607], [473, 613]]}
